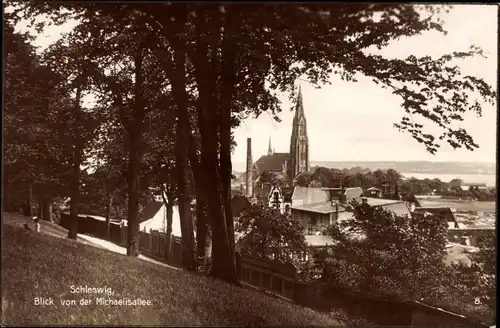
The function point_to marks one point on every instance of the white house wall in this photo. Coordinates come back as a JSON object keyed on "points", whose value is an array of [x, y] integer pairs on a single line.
{"points": [[159, 220]]}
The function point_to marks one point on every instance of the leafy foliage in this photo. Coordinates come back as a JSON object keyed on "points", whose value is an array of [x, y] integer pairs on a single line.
{"points": [[389, 253], [273, 178], [229, 61], [270, 233]]}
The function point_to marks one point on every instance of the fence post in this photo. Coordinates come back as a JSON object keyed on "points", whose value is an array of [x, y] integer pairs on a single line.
{"points": [[171, 248], [158, 236], [150, 239], [180, 244]]}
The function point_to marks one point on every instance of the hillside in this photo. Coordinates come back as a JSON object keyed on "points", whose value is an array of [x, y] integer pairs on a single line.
{"points": [[43, 266]]}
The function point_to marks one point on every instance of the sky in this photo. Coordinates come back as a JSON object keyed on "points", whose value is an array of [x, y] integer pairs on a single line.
{"points": [[354, 121], [349, 121]]}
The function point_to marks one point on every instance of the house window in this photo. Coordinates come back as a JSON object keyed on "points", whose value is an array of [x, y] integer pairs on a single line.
{"points": [[313, 219], [310, 231]]}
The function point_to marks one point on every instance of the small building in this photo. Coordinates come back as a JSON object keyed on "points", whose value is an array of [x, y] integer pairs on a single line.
{"points": [[316, 218], [443, 212], [307, 195], [374, 192], [154, 216], [474, 186], [411, 201]]}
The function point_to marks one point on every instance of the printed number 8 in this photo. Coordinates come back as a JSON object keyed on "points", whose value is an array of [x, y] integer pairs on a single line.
{"points": [[477, 301]]}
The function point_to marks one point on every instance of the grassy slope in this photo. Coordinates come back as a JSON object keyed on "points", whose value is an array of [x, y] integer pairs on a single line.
{"points": [[39, 265]]}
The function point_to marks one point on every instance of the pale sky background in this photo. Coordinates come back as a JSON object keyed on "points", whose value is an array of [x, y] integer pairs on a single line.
{"points": [[354, 121]]}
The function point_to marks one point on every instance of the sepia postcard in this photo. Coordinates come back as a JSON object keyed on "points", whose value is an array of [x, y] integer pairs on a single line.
{"points": [[249, 164]]}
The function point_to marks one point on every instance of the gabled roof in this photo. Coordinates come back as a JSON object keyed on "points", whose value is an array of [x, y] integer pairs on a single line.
{"points": [[445, 212], [149, 211], [322, 208], [272, 162], [349, 193], [310, 195], [373, 189], [353, 193]]}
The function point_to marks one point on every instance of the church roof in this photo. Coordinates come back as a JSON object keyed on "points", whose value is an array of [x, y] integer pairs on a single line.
{"points": [[272, 162]]}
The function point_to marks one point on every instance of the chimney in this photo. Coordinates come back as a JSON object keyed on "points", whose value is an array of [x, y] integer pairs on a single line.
{"points": [[364, 200], [285, 167], [249, 181]]}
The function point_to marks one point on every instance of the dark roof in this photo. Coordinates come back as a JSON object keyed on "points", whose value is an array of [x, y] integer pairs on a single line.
{"points": [[410, 197], [433, 209], [445, 212], [272, 162], [149, 211], [349, 193]]}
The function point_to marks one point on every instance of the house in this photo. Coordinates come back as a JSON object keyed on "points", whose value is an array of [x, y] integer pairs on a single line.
{"points": [[374, 192], [457, 184], [305, 195], [345, 194], [154, 216], [443, 212], [411, 201], [316, 217], [476, 186]]}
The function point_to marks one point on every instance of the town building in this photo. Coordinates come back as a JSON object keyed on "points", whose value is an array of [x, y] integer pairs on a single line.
{"points": [[286, 166], [321, 207]]}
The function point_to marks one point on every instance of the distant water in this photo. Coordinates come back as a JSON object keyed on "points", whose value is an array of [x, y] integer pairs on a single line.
{"points": [[489, 179]]}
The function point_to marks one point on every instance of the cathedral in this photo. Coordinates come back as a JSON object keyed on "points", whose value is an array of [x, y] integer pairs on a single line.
{"points": [[288, 166]]}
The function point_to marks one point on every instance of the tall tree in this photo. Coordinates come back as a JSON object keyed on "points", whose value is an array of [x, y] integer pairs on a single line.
{"points": [[275, 45], [68, 57]]}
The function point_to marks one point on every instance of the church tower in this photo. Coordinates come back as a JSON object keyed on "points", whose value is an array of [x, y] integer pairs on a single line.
{"points": [[299, 143]]}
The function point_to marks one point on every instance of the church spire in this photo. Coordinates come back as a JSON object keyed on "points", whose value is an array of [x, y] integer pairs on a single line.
{"points": [[299, 111], [299, 143], [269, 150]]}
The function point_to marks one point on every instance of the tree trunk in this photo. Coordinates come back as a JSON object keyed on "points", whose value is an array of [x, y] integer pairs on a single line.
{"points": [[223, 260], [182, 133], [109, 207], [75, 196], [45, 209], [29, 205], [134, 163], [76, 172], [227, 91], [170, 209], [201, 217]]}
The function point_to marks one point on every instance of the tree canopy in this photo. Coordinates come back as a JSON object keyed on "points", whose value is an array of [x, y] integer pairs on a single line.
{"points": [[219, 63]]}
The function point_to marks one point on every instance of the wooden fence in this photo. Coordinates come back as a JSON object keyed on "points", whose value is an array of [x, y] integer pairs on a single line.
{"points": [[271, 276], [280, 279], [154, 244]]}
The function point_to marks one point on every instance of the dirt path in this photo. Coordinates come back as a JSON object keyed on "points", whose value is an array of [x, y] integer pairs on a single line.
{"points": [[121, 250]]}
